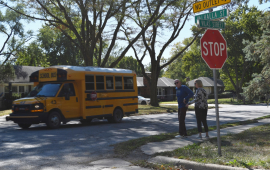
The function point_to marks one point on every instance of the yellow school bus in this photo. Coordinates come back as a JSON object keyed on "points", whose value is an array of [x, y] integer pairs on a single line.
{"points": [[64, 93]]}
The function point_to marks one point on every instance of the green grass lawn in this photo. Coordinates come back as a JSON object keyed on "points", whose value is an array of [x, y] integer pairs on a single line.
{"points": [[249, 149], [226, 101], [124, 148], [5, 112]]}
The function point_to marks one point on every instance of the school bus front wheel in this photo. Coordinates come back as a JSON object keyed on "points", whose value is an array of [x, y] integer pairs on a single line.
{"points": [[54, 120]]}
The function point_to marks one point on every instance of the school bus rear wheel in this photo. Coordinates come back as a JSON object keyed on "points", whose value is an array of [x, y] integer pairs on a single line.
{"points": [[54, 120], [117, 116], [24, 125]]}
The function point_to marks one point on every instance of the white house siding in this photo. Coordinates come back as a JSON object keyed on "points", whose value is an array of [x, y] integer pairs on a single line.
{"points": [[207, 89], [25, 85]]}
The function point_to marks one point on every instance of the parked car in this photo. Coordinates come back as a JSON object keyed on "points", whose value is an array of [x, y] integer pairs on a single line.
{"points": [[142, 100]]}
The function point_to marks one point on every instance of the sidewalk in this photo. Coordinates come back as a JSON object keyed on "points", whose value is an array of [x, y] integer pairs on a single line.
{"points": [[170, 145], [219, 105]]}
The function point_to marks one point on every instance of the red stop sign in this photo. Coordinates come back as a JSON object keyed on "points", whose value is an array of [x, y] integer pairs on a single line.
{"points": [[213, 49], [94, 95]]}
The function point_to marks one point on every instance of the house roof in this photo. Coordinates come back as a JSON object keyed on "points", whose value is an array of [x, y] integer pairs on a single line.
{"points": [[22, 73], [162, 82], [207, 82]]}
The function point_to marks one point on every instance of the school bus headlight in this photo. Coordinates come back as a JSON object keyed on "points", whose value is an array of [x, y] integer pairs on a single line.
{"points": [[36, 106]]}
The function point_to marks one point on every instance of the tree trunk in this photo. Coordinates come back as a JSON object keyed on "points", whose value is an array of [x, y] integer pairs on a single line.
{"points": [[153, 84]]}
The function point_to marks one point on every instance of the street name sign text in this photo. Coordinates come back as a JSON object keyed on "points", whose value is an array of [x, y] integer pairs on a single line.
{"points": [[211, 24], [213, 15], [203, 5]]}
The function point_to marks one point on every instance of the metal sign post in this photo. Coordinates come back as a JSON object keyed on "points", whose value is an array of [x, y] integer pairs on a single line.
{"points": [[217, 112], [216, 106]]}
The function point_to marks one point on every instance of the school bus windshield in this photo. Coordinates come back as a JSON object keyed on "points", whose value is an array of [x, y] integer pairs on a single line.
{"points": [[45, 90]]}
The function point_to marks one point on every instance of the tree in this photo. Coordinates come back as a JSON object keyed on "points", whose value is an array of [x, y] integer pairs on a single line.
{"points": [[7, 72], [57, 47], [32, 55], [12, 29], [190, 64], [240, 25], [130, 63], [258, 51], [88, 24], [159, 36]]}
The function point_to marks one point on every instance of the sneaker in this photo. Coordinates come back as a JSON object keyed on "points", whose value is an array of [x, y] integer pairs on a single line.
{"points": [[199, 137], [181, 136], [207, 137]]}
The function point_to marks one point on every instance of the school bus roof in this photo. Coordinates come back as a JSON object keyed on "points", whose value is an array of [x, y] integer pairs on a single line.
{"points": [[94, 69]]}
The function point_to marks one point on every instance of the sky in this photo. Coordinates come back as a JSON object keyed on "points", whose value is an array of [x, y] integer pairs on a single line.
{"points": [[185, 33]]}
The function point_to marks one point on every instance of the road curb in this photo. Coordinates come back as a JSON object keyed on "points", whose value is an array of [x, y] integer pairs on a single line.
{"points": [[192, 165]]}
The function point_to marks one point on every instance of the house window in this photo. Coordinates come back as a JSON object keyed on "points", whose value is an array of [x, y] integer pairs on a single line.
{"points": [[21, 89], [100, 82], [89, 82], [14, 89], [158, 91], [128, 81], [118, 83], [109, 83]]}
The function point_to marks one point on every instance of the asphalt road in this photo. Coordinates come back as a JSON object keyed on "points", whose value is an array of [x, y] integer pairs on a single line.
{"points": [[74, 146]]}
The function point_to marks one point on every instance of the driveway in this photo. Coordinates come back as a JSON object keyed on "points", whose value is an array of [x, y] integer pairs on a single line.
{"points": [[74, 146]]}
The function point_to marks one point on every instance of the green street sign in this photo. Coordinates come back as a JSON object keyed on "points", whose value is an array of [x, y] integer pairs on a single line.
{"points": [[210, 24], [213, 15]]}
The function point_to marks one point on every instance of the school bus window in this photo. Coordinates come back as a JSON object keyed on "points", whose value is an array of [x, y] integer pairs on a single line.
{"points": [[70, 88], [128, 81], [89, 82], [45, 90], [109, 83], [118, 83], [100, 82]]}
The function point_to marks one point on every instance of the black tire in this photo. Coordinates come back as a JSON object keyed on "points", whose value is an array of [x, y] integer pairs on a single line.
{"points": [[24, 125], [143, 103], [117, 116], [54, 120], [85, 121]]}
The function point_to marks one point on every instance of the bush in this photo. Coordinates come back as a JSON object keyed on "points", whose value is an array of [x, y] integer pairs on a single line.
{"points": [[221, 96], [7, 99]]}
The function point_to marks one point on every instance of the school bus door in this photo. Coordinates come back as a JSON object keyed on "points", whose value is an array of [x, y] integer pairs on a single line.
{"points": [[69, 107]]}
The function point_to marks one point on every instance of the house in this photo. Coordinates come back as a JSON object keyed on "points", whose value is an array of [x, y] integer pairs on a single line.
{"points": [[165, 88], [19, 84], [208, 84]]}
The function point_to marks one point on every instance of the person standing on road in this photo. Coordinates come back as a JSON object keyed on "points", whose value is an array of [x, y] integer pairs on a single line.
{"points": [[201, 108], [183, 93]]}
